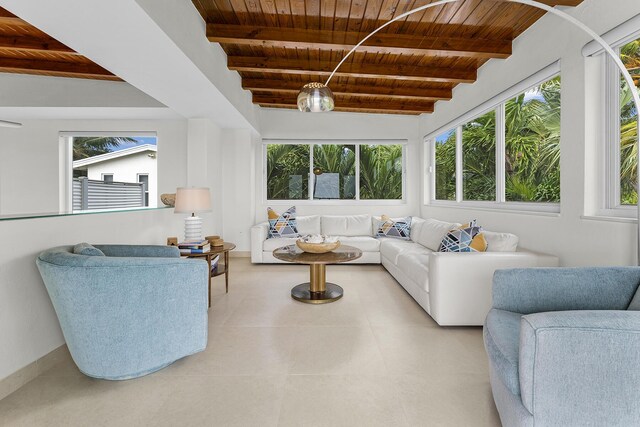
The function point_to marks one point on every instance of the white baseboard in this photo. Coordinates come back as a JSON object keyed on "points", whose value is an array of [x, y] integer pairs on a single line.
{"points": [[21, 377]]}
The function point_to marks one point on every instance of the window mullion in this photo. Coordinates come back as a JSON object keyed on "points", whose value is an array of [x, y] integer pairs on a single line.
{"points": [[459, 164], [612, 103], [500, 154]]}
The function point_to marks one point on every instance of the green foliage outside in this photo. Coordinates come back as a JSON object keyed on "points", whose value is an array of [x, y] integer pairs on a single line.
{"points": [[532, 145], [630, 55], [84, 147], [380, 170]]}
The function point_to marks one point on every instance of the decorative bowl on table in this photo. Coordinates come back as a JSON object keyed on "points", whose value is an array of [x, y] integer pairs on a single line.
{"points": [[318, 244]]}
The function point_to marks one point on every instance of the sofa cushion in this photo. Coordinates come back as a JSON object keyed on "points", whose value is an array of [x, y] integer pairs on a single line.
{"points": [[347, 225], [308, 224], [500, 242], [415, 264], [397, 228], [433, 231], [282, 225], [502, 342], [392, 248], [87, 249], [364, 243], [270, 245], [416, 228]]}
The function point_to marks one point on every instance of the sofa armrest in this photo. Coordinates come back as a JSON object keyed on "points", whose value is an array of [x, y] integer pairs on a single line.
{"points": [[157, 251], [460, 283], [259, 234], [558, 289], [580, 367]]}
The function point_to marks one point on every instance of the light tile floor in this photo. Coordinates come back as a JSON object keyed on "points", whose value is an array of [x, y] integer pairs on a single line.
{"points": [[373, 358]]}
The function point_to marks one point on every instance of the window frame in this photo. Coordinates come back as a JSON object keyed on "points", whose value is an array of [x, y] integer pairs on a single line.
{"points": [[610, 203], [355, 142], [65, 176], [496, 103]]}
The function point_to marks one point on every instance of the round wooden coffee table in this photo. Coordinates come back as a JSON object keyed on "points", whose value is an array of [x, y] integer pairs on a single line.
{"points": [[317, 290]]}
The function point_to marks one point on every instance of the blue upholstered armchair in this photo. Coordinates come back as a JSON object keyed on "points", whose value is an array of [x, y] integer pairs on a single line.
{"points": [[563, 348], [129, 312]]}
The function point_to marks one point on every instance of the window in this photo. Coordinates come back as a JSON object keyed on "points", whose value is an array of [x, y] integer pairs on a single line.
{"points": [[319, 171], [627, 126], [110, 171], [445, 166], [478, 158], [508, 154], [532, 145]]}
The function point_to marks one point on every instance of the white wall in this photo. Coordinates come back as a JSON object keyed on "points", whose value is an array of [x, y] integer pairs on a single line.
{"points": [[29, 328], [577, 240], [294, 125]]}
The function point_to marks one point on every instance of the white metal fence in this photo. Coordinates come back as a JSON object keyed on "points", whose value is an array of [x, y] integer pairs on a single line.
{"points": [[91, 194]]}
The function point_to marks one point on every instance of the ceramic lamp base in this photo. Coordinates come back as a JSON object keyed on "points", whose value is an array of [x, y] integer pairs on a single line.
{"points": [[192, 228]]}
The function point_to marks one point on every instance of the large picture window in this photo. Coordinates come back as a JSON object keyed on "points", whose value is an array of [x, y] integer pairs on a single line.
{"points": [[111, 171], [508, 154], [359, 171]]}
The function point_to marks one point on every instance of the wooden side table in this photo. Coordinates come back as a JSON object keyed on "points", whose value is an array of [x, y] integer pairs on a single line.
{"points": [[223, 263]]}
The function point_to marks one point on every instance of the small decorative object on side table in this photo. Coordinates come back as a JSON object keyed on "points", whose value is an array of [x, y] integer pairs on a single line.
{"points": [[221, 267]]}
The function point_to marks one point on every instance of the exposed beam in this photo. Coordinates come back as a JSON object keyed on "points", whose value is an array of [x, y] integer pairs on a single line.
{"points": [[31, 66], [400, 107], [397, 44], [287, 86], [30, 43], [376, 71], [8, 18]]}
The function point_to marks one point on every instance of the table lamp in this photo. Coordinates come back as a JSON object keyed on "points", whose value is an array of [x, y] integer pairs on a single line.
{"points": [[192, 200]]}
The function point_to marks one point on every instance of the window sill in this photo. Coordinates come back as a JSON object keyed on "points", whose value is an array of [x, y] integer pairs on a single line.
{"points": [[626, 220], [551, 210]]}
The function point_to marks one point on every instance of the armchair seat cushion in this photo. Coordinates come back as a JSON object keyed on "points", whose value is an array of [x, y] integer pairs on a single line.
{"points": [[502, 341]]}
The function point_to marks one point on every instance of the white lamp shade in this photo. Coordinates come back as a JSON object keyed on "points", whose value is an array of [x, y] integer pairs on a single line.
{"points": [[192, 200]]}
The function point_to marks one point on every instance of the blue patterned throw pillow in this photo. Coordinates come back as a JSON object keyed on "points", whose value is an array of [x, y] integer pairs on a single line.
{"points": [[282, 225], [399, 228], [466, 238]]}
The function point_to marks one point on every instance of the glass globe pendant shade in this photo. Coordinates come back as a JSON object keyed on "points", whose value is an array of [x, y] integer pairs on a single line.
{"points": [[315, 98]]}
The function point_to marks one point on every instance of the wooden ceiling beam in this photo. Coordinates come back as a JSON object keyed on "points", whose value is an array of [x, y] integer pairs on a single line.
{"points": [[401, 107], [375, 71], [396, 44], [31, 66], [348, 110], [34, 44], [364, 91]]}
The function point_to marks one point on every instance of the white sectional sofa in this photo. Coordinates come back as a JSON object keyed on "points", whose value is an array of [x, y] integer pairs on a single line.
{"points": [[454, 288]]}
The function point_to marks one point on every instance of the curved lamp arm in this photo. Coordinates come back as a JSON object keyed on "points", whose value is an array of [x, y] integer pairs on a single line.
{"points": [[607, 48]]}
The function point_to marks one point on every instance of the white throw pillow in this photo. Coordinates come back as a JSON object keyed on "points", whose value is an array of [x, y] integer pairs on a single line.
{"points": [[416, 228], [308, 224], [501, 242], [433, 231], [347, 225]]}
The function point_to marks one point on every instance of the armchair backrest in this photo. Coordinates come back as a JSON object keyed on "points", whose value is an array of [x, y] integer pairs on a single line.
{"points": [[533, 290]]}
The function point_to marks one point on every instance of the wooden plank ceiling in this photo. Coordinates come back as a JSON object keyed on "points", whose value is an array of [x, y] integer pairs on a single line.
{"points": [[26, 50], [277, 46]]}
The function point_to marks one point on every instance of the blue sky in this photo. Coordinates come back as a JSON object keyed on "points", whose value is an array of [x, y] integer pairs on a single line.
{"points": [[142, 140]]}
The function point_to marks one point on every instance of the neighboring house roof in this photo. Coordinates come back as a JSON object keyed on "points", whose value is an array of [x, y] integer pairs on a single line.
{"points": [[114, 155]]}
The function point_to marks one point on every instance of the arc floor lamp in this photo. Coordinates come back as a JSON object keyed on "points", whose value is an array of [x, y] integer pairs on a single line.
{"points": [[317, 97]]}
